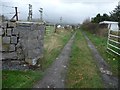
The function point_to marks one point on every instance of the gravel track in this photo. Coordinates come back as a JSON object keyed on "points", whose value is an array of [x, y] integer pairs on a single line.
{"points": [[55, 75]]}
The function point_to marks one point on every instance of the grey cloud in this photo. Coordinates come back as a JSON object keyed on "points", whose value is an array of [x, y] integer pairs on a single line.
{"points": [[72, 11], [89, 1]]}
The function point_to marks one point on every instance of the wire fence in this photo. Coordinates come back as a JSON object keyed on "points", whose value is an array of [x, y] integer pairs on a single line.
{"points": [[7, 11]]}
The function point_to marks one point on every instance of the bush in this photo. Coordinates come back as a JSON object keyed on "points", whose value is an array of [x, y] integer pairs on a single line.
{"points": [[95, 28]]}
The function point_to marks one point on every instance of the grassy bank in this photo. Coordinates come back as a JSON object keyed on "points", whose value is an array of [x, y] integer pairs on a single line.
{"points": [[82, 71], [100, 43], [53, 44]]}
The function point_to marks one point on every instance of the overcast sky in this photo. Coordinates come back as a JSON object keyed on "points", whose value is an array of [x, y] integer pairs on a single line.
{"points": [[72, 11]]}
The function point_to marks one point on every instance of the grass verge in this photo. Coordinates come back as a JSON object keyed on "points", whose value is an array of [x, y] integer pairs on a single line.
{"points": [[19, 79], [101, 45], [82, 71], [53, 46]]}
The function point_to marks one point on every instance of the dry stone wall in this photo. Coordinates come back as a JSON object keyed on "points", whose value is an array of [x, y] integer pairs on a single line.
{"points": [[22, 41]]}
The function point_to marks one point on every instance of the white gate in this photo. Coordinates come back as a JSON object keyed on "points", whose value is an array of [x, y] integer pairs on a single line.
{"points": [[113, 42]]}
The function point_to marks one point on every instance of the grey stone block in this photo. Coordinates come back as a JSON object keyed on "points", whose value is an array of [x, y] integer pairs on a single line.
{"points": [[34, 27], [0, 43], [41, 37], [13, 39], [15, 31], [9, 32], [24, 27], [32, 44], [21, 56], [6, 40], [11, 24], [1, 31], [40, 41], [12, 47], [20, 53], [12, 55], [8, 47], [42, 27], [23, 34], [5, 47], [34, 53], [33, 34], [39, 32]]}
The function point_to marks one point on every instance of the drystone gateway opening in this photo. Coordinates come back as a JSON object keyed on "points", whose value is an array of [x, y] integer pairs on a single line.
{"points": [[22, 41]]}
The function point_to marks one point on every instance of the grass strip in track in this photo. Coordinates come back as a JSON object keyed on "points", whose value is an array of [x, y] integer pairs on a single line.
{"points": [[82, 71]]}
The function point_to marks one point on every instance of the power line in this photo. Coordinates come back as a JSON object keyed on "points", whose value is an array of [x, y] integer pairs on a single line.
{"points": [[61, 20], [10, 13]]}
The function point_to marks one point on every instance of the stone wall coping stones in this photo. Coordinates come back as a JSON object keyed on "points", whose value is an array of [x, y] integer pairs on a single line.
{"points": [[20, 22]]}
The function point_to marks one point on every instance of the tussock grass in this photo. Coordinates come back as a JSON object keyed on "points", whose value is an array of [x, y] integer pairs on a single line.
{"points": [[53, 46]]}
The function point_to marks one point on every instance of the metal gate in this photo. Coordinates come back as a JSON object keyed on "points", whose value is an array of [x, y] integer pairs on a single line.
{"points": [[113, 42]]}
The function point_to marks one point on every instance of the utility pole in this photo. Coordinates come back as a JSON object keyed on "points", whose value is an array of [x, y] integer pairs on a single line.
{"points": [[41, 14], [16, 14], [60, 20], [30, 13]]}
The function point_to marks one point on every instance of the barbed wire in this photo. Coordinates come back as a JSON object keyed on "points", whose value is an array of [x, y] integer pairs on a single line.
{"points": [[10, 13]]}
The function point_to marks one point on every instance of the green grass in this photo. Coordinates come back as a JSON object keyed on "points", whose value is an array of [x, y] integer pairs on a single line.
{"points": [[53, 44], [20, 79], [101, 45], [49, 30], [82, 70]]}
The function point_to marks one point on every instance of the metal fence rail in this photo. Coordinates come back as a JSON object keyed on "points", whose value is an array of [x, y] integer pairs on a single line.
{"points": [[114, 48]]}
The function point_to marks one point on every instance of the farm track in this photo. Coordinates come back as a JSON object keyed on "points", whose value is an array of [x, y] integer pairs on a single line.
{"points": [[55, 75], [109, 80]]}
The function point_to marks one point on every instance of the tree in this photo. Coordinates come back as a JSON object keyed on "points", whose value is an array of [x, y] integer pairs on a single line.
{"points": [[105, 17], [97, 19], [86, 21], [4, 18], [55, 28], [100, 18], [115, 15]]}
